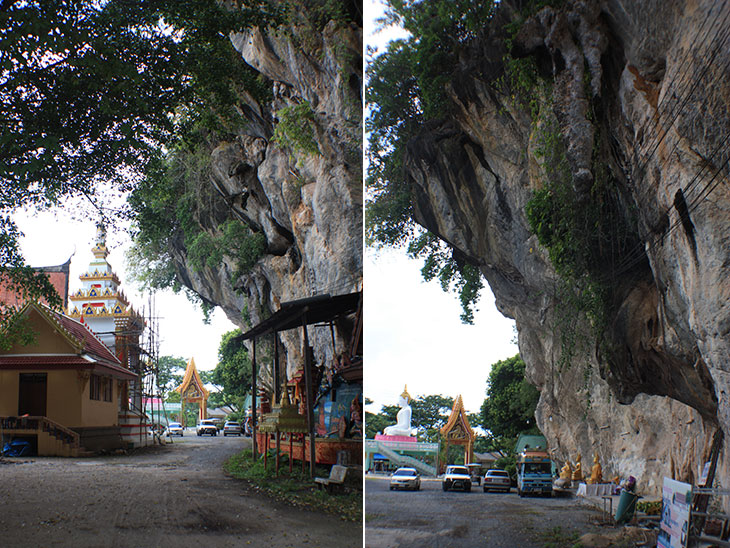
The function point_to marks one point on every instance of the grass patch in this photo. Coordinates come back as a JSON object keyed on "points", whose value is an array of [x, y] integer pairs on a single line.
{"points": [[296, 488], [559, 538]]}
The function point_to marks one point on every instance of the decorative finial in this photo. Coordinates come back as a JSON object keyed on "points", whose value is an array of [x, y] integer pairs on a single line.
{"points": [[99, 249], [405, 395]]}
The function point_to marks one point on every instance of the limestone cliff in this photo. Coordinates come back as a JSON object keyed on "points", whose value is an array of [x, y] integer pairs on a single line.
{"points": [[638, 89], [300, 187]]}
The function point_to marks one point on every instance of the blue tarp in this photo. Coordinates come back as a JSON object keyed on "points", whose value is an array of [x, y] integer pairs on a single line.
{"points": [[17, 448]]}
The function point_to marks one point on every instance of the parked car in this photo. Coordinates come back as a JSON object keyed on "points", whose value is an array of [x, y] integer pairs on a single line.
{"points": [[456, 477], [497, 480], [232, 428], [405, 478], [207, 426], [475, 471], [175, 429]]}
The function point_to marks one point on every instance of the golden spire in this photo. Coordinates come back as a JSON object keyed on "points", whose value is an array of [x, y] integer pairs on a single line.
{"points": [[405, 395]]}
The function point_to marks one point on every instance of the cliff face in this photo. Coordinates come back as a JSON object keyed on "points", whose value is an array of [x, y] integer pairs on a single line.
{"points": [[306, 200], [644, 84]]}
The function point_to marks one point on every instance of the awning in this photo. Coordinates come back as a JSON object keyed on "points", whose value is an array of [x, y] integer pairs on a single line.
{"points": [[322, 308]]}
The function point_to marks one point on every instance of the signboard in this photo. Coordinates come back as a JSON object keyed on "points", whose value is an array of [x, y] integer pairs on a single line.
{"points": [[676, 501]]}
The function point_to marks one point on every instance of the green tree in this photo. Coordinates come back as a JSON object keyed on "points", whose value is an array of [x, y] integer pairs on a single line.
{"points": [[91, 91], [429, 414], [406, 89], [509, 408], [376, 422], [170, 371], [233, 371]]}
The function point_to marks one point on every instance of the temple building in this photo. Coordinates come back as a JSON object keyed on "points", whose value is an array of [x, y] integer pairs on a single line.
{"points": [[101, 304], [75, 385]]}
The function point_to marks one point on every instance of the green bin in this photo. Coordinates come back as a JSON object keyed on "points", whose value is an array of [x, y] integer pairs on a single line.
{"points": [[626, 506]]}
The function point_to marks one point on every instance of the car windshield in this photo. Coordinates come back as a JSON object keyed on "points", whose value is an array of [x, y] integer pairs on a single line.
{"points": [[459, 470], [497, 474], [231, 424], [405, 473], [207, 423], [537, 468], [175, 425]]}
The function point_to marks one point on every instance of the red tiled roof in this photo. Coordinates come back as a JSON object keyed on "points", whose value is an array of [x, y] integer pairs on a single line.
{"points": [[92, 345], [63, 362]]}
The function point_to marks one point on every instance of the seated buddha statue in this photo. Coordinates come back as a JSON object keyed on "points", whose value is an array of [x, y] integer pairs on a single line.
{"points": [[596, 471], [566, 471], [577, 471], [402, 427]]}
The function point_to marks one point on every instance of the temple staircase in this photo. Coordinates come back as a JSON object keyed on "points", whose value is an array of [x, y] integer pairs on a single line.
{"points": [[53, 439], [405, 460]]}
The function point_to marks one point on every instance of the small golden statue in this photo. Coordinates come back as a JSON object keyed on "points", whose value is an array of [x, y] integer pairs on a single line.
{"points": [[566, 471], [577, 470], [596, 471]]}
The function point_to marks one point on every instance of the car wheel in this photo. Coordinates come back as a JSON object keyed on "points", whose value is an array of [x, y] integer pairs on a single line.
{"points": [[467, 488], [485, 489], [391, 487], [444, 487], [520, 493]]}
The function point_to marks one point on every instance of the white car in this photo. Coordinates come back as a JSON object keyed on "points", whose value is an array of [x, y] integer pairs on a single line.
{"points": [[405, 478], [175, 429], [497, 480], [207, 426], [456, 477]]}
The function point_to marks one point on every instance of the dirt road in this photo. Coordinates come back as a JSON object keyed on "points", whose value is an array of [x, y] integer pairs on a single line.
{"points": [[175, 496], [437, 519]]}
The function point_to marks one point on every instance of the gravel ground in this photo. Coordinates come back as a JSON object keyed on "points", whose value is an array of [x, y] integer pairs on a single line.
{"points": [[436, 519], [176, 496]]}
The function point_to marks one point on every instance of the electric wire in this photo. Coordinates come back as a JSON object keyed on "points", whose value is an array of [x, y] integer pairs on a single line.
{"points": [[677, 107]]}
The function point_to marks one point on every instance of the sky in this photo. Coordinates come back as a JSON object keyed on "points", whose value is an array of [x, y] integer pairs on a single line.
{"points": [[51, 237], [413, 331]]}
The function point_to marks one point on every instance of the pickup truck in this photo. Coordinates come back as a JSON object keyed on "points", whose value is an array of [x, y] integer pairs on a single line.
{"points": [[456, 477], [207, 426]]}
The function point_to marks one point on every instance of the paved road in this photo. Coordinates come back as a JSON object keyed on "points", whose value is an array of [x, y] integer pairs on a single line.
{"points": [[176, 496], [432, 518]]}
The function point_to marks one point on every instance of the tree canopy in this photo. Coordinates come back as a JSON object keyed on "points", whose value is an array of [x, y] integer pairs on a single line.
{"points": [[170, 372], [509, 409], [406, 89], [232, 373], [91, 92]]}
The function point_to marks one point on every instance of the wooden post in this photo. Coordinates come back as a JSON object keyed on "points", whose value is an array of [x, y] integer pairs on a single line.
{"points": [[309, 394], [278, 441], [277, 375], [253, 400]]}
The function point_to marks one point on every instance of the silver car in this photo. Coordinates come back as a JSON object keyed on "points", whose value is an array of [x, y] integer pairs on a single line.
{"points": [[231, 427], [405, 478], [497, 480]]}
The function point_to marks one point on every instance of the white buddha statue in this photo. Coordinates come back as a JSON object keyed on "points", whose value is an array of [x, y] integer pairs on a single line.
{"points": [[403, 418]]}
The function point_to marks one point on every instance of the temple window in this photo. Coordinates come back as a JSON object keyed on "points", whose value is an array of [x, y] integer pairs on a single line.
{"points": [[95, 387]]}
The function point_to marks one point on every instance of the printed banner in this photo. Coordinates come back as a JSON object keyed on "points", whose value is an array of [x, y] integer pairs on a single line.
{"points": [[676, 500]]}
